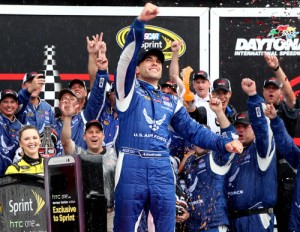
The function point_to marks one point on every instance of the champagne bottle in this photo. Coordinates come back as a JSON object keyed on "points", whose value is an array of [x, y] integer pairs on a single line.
{"points": [[186, 72]]}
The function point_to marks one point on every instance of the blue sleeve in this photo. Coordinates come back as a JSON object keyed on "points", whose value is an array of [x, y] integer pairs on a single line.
{"points": [[7, 153], [223, 159], [196, 134], [52, 117], [229, 132], [96, 100], [23, 100], [284, 143], [125, 75], [261, 126]]}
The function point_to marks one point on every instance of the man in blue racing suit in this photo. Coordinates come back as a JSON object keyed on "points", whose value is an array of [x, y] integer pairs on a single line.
{"points": [[144, 177], [252, 180], [291, 153]]}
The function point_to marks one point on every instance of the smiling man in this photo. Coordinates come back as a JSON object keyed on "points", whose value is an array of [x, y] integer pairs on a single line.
{"points": [[144, 177], [251, 182], [79, 88], [9, 127], [93, 136]]}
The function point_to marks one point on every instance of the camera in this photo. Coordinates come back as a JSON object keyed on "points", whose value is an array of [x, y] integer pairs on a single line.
{"points": [[43, 74], [179, 210]]}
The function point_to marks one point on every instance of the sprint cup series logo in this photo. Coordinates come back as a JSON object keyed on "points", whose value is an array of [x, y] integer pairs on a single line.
{"points": [[281, 40], [155, 37]]}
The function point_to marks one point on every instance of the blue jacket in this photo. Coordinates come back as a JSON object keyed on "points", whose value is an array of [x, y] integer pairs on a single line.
{"points": [[39, 116]]}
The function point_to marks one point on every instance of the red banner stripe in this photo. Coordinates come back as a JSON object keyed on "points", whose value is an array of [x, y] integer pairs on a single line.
{"points": [[297, 141], [63, 76]]}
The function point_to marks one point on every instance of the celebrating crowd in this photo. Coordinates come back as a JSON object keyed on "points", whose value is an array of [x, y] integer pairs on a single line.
{"points": [[169, 162]]}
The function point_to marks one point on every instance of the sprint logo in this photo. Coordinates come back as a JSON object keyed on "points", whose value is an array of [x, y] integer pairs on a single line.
{"points": [[27, 206], [39, 202]]}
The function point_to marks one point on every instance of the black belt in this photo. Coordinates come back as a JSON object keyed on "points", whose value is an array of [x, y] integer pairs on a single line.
{"points": [[248, 212]]}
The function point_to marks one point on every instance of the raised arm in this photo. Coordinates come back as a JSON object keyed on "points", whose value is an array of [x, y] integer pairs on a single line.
{"points": [[93, 47], [216, 106], [125, 76], [25, 93], [287, 91], [68, 110], [96, 101], [174, 67], [260, 125], [200, 136], [283, 140]]}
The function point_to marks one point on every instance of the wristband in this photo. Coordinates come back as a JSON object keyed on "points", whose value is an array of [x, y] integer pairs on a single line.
{"points": [[275, 69]]}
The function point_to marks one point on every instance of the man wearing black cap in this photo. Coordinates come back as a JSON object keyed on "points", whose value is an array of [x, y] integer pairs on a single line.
{"points": [[252, 182], [201, 85], [144, 175], [278, 91], [79, 88], [169, 88], [38, 112]]}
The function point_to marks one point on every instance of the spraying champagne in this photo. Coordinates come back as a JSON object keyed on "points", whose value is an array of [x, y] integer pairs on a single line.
{"points": [[186, 72]]}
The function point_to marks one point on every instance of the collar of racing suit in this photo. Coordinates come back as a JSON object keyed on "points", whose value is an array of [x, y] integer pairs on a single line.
{"points": [[32, 161]]}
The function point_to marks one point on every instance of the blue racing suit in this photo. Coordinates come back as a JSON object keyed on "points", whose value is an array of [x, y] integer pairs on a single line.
{"points": [[9, 136], [144, 176], [291, 153], [9, 133], [252, 180], [92, 110], [204, 178], [38, 116], [110, 125]]}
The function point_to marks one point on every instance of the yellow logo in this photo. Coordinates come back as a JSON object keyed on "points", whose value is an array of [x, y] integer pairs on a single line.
{"points": [[155, 37], [39, 202]]}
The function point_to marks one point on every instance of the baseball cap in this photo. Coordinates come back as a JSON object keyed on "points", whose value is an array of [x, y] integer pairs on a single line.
{"points": [[221, 83], [63, 91], [169, 85], [156, 52], [274, 81], [242, 118], [8, 93], [201, 74], [93, 123], [71, 83], [28, 76]]}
